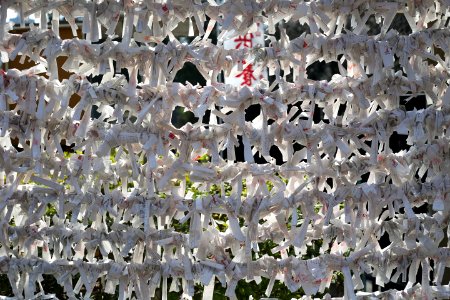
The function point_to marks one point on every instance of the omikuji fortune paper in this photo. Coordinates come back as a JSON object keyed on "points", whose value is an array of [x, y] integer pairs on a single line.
{"points": [[135, 180]]}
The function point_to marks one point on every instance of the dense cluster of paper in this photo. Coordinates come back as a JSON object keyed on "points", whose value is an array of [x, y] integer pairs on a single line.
{"points": [[120, 198]]}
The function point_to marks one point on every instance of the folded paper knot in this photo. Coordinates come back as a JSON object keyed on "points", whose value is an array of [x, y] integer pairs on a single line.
{"points": [[290, 174]]}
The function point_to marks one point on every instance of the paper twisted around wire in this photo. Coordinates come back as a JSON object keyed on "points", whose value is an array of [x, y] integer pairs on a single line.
{"points": [[116, 216]]}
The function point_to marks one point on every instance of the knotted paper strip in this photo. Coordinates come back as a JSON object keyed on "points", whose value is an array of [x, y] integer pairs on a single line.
{"points": [[123, 200]]}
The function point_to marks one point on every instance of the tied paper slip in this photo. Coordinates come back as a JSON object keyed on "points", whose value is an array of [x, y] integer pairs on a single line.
{"points": [[110, 188], [248, 72]]}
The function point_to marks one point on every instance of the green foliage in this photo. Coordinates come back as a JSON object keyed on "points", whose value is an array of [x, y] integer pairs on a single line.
{"points": [[205, 158], [50, 211]]}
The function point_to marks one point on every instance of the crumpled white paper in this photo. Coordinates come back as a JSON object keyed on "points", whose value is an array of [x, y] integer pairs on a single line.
{"points": [[122, 198]]}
